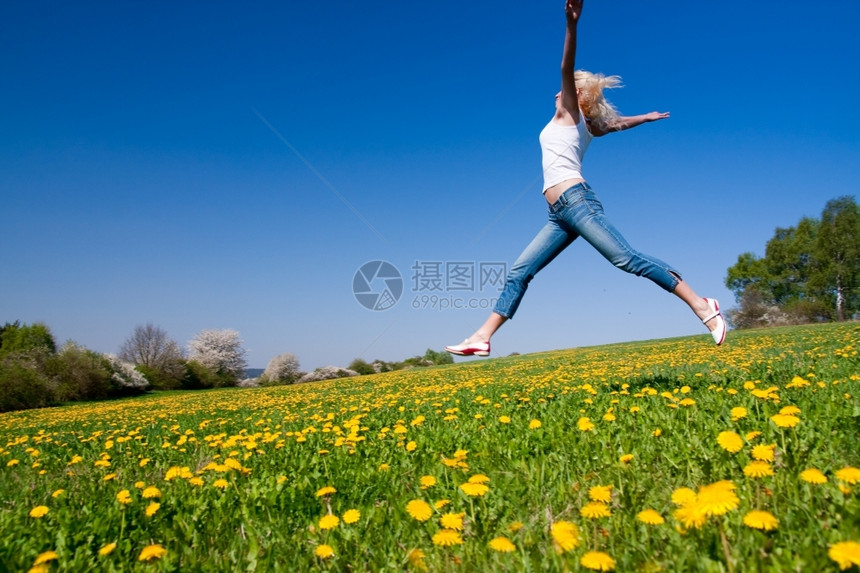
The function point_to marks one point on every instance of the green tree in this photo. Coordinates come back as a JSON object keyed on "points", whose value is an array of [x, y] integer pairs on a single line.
{"points": [[837, 254], [17, 338], [749, 273], [788, 258], [809, 273]]}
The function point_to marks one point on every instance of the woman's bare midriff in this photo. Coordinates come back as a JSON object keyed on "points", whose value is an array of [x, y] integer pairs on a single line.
{"points": [[553, 193]]}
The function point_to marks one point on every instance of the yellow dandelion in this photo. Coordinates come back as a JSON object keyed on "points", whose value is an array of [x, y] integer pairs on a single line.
{"points": [[452, 521], [761, 520], [758, 469], [151, 552], [474, 489], [785, 420], [58, 493], [351, 516], [324, 551], [626, 458], [657, 433], [151, 492], [738, 413], [221, 484], [441, 503], [789, 411], [419, 509], [411, 446], [683, 496], [107, 549], [427, 482], [566, 535], [845, 553], [717, 498], [328, 521], [687, 402], [515, 526], [13, 462], [849, 475], [690, 515], [584, 424], [327, 490], [730, 441], [763, 453], [750, 436], [502, 545], [813, 475], [478, 478], [504, 419], [196, 481], [598, 561], [533, 425], [447, 537], [177, 472], [600, 493], [383, 468], [46, 557], [152, 508], [650, 517], [595, 510], [124, 497], [416, 559]]}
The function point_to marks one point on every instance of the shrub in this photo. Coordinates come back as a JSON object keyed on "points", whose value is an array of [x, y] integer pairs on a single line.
{"points": [[128, 380], [23, 385], [80, 373], [327, 373], [362, 367], [199, 377]]}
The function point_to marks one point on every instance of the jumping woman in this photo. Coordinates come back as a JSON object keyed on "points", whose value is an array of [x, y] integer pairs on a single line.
{"points": [[582, 113]]}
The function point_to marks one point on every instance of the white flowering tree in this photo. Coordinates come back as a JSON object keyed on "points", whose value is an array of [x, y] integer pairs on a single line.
{"points": [[124, 374], [219, 351], [282, 369]]}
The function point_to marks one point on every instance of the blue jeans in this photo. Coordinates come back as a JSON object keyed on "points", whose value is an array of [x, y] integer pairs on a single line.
{"points": [[578, 213]]}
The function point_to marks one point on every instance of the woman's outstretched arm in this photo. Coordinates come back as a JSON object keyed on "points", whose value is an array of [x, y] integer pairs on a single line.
{"points": [[569, 99], [627, 122]]}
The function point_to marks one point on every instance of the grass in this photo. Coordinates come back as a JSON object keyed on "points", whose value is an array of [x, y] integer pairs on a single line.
{"points": [[238, 475]]}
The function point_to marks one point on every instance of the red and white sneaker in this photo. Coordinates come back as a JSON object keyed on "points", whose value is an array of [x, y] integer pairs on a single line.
{"points": [[467, 348], [719, 333]]}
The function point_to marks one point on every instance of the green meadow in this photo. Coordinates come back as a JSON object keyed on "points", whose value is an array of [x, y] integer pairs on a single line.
{"points": [[666, 455]]}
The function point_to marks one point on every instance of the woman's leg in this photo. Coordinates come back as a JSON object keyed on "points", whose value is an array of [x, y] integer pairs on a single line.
{"points": [[547, 244], [587, 219]]}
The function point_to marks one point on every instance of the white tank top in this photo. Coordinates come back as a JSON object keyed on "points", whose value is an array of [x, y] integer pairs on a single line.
{"points": [[562, 149]]}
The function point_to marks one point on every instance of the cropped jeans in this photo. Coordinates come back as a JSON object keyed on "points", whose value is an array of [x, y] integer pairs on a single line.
{"points": [[578, 213]]}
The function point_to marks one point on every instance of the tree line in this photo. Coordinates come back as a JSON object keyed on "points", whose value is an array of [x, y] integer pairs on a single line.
{"points": [[809, 273], [35, 372]]}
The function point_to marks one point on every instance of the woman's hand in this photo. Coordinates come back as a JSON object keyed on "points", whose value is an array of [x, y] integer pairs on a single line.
{"points": [[573, 9], [655, 115]]}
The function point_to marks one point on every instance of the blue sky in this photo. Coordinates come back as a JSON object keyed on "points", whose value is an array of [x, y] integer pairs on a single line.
{"points": [[232, 165]]}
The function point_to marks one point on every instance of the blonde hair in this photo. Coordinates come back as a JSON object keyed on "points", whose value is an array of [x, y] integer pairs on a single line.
{"points": [[596, 108]]}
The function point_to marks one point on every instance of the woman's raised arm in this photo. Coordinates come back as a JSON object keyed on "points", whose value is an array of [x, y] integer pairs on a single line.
{"points": [[569, 99]]}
